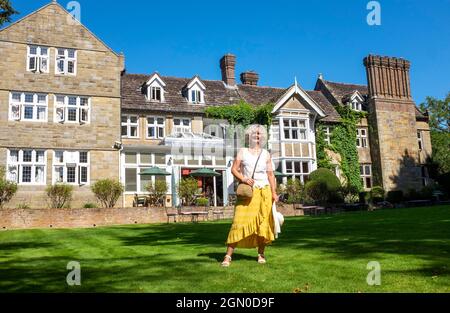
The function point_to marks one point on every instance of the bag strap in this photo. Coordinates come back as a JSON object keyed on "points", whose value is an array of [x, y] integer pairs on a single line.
{"points": [[254, 170]]}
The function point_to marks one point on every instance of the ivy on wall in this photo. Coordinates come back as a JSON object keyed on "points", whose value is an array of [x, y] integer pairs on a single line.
{"points": [[242, 113], [343, 141]]}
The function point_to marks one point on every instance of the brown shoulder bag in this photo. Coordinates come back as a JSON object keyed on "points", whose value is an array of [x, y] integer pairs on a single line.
{"points": [[245, 190]]}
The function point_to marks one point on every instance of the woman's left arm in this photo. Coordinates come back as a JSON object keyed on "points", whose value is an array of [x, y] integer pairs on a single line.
{"points": [[272, 180]]}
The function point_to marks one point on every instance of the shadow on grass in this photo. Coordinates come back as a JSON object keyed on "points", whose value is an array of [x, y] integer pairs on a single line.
{"points": [[219, 256]]}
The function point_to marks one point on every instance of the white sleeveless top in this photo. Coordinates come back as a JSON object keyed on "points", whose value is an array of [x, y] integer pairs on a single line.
{"points": [[248, 164]]}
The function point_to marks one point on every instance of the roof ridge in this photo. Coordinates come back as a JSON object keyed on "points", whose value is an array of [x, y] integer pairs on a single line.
{"points": [[349, 84]]}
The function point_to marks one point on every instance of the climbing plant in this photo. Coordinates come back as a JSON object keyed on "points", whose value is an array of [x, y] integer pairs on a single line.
{"points": [[343, 141], [242, 113]]}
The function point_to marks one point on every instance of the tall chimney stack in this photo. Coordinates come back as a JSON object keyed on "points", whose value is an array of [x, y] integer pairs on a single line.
{"points": [[227, 66], [250, 78], [388, 77]]}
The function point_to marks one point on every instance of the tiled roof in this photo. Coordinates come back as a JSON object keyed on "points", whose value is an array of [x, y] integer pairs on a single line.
{"points": [[342, 90], [327, 107], [133, 97]]}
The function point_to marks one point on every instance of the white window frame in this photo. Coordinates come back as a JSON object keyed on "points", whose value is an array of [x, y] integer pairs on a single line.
{"points": [[420, 140], [128, 124], [292, 173], [39, 59], [71, 159], [355, 105], [292, 129], [364, 175], [152, 95], [182, 128], [65, 107], [65, 59], [21, 105], [156, 127], [327, 131], [362, 140], [19, 164]]}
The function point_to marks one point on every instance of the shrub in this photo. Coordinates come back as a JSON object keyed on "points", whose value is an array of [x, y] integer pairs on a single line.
{"points": [[317, 190], [187, 189], [202, 201], [295, 191], [394, 196], [7, 188], [376, 194], [107, 192], [364, 197], [157, 191], [59, 195], [23, 206], [90, 205], [444, 182], [348, 193], [328, 177]]}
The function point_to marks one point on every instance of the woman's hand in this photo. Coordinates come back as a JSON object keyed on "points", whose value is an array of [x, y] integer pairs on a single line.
{"points": [[248, 181], [275, 197]]}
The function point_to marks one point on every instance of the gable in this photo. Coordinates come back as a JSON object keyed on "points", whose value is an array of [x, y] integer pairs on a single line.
{"points": [[295, 103], [299, 98], [51, 26]]}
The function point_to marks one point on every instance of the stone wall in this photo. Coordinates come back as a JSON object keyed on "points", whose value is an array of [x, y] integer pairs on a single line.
{"points": [[86, 218]]}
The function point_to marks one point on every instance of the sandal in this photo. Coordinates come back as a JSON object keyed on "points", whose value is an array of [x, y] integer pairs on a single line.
{"points": [[261, 259], [227, 261]]}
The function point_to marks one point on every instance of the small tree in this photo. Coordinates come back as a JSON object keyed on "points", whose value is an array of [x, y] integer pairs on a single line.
{"points": [[7, 188], [6, 11], [107, 191], [318, 191], [157, 191], [59, 195], [187, 189]]}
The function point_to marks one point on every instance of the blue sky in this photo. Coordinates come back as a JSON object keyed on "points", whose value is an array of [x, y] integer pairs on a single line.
{"points": [[278, 39]]}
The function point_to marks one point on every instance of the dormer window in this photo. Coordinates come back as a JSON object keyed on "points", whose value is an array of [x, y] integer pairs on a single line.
{"points": [[195, 91], [155, 93], [354, 101], [196, 96], [155, 89]]}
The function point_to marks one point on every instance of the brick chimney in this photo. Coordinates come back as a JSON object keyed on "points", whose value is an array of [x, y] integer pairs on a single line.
{"points": [[227, 65], [250, 78], [388, 77]]}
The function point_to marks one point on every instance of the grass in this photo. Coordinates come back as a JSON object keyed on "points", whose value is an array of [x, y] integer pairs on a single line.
{"points": [[329, 254]]}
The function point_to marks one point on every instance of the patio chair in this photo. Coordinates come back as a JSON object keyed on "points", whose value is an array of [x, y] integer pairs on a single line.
{"points": [[139, 200]]}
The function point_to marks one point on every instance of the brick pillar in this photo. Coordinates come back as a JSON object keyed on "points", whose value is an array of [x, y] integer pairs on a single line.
{"points": [[392, 118], [227, 66]]}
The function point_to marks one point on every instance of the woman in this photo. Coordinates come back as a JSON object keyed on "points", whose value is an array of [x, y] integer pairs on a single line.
{"points": [[253, 224]]}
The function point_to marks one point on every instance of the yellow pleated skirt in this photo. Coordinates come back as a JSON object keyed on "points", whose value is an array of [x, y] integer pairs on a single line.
{"points": [[253, 220]]}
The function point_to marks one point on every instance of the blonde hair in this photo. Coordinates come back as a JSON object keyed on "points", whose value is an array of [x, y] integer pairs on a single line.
{"points": [[262, 134]]}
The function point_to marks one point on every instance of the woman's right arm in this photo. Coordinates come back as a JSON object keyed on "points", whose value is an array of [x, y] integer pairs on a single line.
{"points": [[236, 170]]}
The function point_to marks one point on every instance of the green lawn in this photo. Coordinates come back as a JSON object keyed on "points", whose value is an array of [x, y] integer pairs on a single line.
{"points": [[328, 253]]}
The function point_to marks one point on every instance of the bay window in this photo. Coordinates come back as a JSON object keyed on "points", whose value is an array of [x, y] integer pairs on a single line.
{"points": [[298, 169], [72, 109], [28, 107], [294, 129], [27, 167]]}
